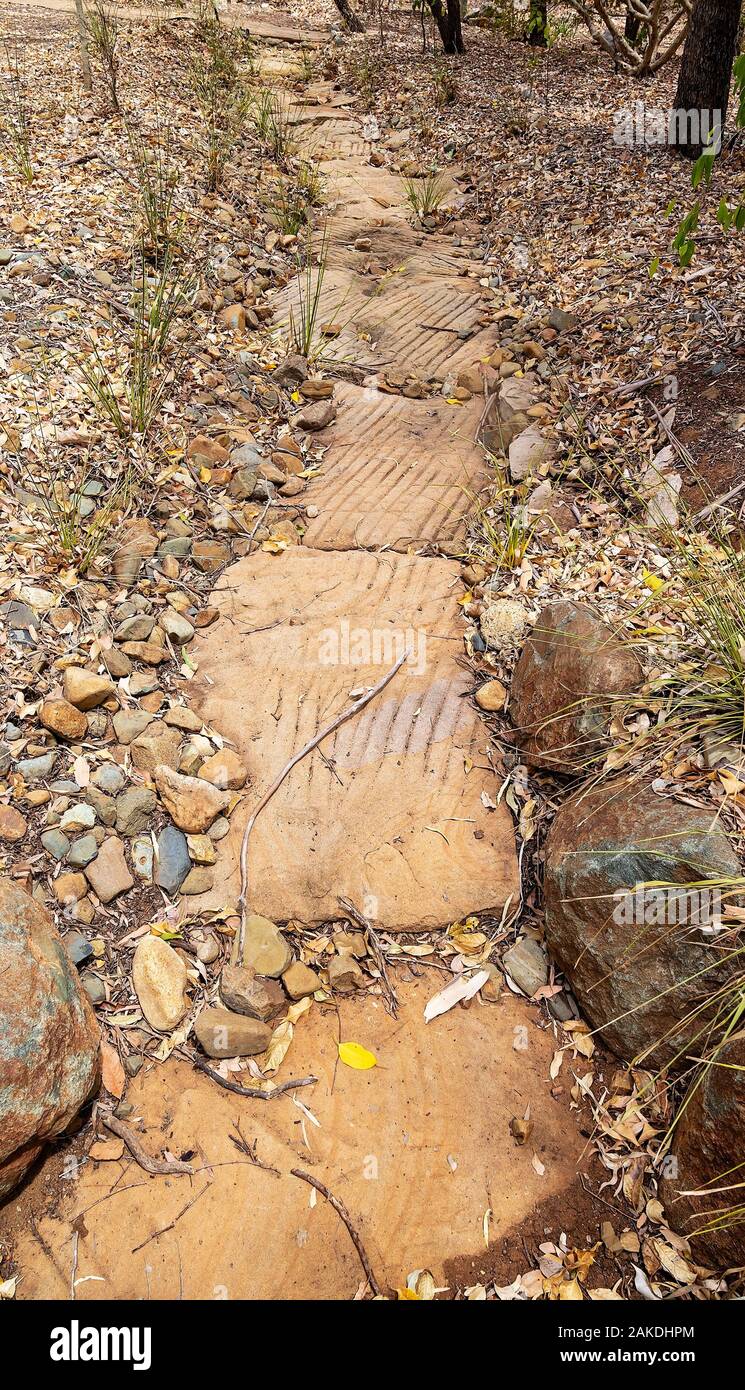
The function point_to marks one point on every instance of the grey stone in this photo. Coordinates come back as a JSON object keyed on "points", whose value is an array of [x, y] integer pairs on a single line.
{"points": [[177, 627], [82, 851], [527, 965], [35, 769], [94, 988], [173, 862], [108, 778], [55, 843], [142, 857], [80, 817], [129, 723], [134, 810]]}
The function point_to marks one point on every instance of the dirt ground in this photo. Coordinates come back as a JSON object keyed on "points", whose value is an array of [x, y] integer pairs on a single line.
{"points": [[419, 1149]]}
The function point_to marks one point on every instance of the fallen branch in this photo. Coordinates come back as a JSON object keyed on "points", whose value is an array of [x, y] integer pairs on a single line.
{"points": [[376, 950], [346, 1218], [154, 1166], [276, 784], [162, 1229], [252, 1092]]}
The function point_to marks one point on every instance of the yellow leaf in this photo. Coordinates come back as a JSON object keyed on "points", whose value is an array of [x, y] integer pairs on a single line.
{"points": [[205, 474], [355, 1055], [653, 581], [406, 1294]]}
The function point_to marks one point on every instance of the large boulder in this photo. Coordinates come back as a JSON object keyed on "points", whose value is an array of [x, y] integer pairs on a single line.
{"points": [[708, 1144], [49, 1039], [635, 973], [570, 668]]}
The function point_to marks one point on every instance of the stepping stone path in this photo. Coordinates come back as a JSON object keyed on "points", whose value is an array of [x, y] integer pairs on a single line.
{"points": [[386, 813]]}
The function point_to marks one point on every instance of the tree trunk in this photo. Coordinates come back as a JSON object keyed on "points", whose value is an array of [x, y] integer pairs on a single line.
{"points": [[449, 24], [85, 61], [538, 23], [633, 25], [352, 21], [706, 67]]}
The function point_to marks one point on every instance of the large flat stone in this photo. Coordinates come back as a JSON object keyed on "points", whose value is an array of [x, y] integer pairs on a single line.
{"points": [[426, 324], [387, 816], [396, 472]]}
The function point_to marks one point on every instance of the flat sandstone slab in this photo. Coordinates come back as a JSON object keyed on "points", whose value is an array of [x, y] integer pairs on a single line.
{"points": [[398, 473], [441, 1095], [384, 813]]}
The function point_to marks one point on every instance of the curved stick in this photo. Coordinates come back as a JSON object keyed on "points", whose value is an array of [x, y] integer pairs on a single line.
{"points": [[308, 748]]}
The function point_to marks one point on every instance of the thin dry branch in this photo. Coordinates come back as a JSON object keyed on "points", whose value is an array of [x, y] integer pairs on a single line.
{"points": [[323, 733], [339, 1207], [154, 1166]]}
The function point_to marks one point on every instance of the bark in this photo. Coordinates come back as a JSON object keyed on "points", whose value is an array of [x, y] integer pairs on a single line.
{"points": [[449, 24], [706, 66], [352, 21], [632, 27], [85, 61], [538, 23]]}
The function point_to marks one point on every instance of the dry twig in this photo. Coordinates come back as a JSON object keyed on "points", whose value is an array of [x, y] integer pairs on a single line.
{"points": [[339, 1207], [323, 733]]}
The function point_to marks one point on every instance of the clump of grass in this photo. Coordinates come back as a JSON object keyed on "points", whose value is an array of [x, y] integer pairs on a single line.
{"points": [[273, 127], [157, 180], [504, 529], [288, 207], [698, 697], [127, 386], [303, 325], [15, 118], [367, 71], [102, 26], [307, 66], [58, 491], [310, 182], [220, 96], [425, 196]]}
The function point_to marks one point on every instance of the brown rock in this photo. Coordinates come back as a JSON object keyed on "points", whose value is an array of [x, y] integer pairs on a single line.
{"points": [[210, 556], [709, 1142], [206, 450], [191, 802], [570, 668], [13, 827], [160, 980], [49, 1053], [491, 696], [86, 689], [300, 981], [225, 1034], [108, 873], [345, 974], [137, 541], [157, 744], [256, 996], [265, 949], [70, 888], [63, 719], [149, 652], [633, 979], [316, 416], [181, 717], [224, 769]]}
